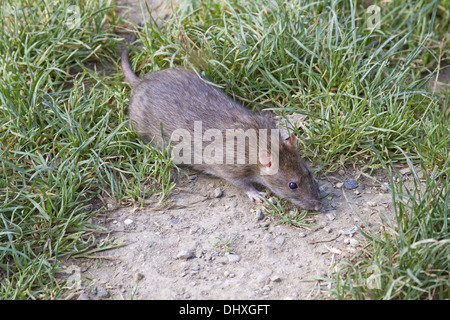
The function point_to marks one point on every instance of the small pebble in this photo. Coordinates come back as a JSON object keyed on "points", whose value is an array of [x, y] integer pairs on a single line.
{"points": [[259, 214], [327, 229], [128, 222], [302, 234], [350, 184], [228, 274], [339, 185], [275, 278], [234, 204], [371, 203], [234, 258], [185, 255], [218, 192]]}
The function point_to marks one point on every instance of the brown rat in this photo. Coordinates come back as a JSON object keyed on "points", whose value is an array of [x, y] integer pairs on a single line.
{"points": [[166, 101]]}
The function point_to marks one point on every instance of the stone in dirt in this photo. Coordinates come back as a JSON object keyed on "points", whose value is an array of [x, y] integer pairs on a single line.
{"points": [[185, 255], [350, 184], [275, 278], [259, 214], [234, 258], [218, 192]]}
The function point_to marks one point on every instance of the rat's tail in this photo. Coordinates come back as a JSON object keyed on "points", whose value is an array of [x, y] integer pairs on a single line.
{"points": [[126, 67]]}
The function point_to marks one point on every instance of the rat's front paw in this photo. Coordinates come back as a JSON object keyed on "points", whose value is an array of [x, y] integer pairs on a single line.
{"points": [[256, 196]]}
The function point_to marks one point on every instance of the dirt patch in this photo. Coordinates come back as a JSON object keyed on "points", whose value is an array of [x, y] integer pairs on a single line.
{"points": [[209, 247]]}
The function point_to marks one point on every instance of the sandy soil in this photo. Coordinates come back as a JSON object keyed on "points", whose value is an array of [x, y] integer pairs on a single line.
{"points": [[208, 247]]}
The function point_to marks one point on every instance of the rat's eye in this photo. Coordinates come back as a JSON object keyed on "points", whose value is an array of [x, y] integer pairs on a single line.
{"points": [[293, 185]]}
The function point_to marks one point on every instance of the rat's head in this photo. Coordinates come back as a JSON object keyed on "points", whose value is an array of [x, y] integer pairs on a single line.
{"points": [[291, 179]]}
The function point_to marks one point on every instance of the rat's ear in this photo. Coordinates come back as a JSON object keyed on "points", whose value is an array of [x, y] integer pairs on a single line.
{"points": [[265, 158], [269, 163], [290, 142]]}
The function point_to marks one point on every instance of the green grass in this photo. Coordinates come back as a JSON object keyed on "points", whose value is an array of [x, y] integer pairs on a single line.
{"points": [[295, 217], [65, 138], [409, 258]]}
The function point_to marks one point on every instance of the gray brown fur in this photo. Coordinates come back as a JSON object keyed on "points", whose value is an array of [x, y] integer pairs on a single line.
{"points": [[175, 98]]}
